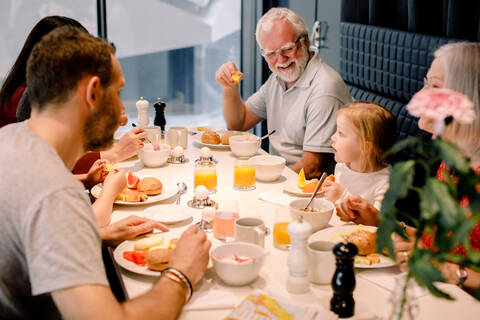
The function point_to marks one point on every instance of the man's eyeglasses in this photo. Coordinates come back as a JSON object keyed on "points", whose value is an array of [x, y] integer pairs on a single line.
{"points": [[286, 50]]}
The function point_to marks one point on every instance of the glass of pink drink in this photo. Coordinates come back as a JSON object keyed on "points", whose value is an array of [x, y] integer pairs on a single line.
{"points": [[224, 221]]}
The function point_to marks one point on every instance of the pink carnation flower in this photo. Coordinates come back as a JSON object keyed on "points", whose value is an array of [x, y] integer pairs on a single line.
{"points": [[441, 103]]}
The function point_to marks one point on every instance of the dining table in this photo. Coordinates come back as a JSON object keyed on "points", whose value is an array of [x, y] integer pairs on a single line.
{"points": [[215, 300]]}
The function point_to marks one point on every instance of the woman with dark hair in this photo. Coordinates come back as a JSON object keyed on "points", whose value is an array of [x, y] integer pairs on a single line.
{"points": [[14, 84]]}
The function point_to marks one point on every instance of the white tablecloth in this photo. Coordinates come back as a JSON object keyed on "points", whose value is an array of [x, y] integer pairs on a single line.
{"points": [[372, 291]]}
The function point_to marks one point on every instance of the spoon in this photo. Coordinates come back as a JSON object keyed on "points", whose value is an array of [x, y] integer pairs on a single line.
{"points": [[322, 178], [148, 140], [182, 188], [268, 134]]}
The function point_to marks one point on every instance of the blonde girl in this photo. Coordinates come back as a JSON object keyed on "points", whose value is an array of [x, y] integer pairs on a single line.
{"points": [[365, 131]]}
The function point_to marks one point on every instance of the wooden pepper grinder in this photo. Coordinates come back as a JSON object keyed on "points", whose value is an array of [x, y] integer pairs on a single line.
{"points": [[297, 261], [343, 281], [160, 114], [142, 108]]}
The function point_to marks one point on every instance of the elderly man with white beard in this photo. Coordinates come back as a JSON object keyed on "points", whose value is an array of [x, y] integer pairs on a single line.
{"points": [[299, 99]]}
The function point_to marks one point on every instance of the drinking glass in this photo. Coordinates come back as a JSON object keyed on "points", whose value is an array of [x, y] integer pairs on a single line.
{"points": [[224, 221], [243, 175], [205, 174], [281, 238]]}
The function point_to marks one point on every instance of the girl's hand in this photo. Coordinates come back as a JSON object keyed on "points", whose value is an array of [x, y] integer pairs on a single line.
{"points": [[96, 173], [358, 210], [114, 183], [333, 190]]}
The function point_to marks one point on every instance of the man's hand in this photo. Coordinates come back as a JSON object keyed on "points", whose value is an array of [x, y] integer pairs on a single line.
{"points": [[224, 75], [358, 210], [128, 229], [333, 190], [191, 254], [127, 146]]}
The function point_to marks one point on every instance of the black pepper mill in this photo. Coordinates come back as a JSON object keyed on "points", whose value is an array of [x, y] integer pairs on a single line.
{"points": [[160, 114], [343, 281]]}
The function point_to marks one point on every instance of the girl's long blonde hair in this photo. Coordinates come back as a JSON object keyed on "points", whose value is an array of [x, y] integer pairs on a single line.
{"points": [[376, 128], [462, 74]]}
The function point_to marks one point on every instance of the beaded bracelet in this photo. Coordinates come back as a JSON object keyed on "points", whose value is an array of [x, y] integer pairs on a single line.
{"points": [[172, 273]]}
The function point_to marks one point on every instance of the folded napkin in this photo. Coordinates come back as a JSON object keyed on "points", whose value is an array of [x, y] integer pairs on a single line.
{"points": [[211, 299], [386, 278], [276, 197]]}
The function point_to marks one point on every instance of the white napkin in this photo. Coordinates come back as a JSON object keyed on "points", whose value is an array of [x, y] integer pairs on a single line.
{"points": [[385, 278], [276, 197], [210, 300]]}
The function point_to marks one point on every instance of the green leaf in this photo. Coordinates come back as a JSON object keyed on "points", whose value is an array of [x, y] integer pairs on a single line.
{"points": [[451, 155], [428, 204], [407, 143], [426, 274], [441, 199], [476, 294], [401, 178]]}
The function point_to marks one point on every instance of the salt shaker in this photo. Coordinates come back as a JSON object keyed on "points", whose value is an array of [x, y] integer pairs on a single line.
{"points": [[297, 281], [343, 281], [142, 108], [160, 114]]}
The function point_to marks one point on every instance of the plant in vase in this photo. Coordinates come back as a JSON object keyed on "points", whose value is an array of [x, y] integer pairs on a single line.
{"points": [[444, 211]]}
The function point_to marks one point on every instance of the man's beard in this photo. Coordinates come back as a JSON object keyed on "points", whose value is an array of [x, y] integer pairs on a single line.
{"points": [[296, 72], [100, 126]]}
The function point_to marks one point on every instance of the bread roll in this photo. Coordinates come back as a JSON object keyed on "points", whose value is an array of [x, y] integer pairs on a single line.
{"points": [[157, 259], [130, 195], [364, 240], [227, 136], [210, 137], [150, 186]]}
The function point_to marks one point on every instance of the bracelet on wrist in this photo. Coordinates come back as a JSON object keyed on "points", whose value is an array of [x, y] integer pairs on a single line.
{"points": [[178, 276]]}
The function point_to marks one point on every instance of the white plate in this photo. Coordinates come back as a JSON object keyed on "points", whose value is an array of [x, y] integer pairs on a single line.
{"points": [[167, 214], [328, 233], [195, 130], [296, 191], [169, 190], [128, 245], [198, 139]]}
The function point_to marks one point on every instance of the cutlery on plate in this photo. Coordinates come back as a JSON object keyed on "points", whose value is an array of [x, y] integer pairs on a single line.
{"points": [[268, 134], [182, 188], [317, 187]]}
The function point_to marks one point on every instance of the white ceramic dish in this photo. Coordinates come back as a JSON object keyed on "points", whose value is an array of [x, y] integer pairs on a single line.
{"points": [[244, 146], [195, 129], [167, 214], [267, 167], [328, 233], [318, 219], [293, 189], [154, 158], [169, 190], [198, 139], [242, 273]]}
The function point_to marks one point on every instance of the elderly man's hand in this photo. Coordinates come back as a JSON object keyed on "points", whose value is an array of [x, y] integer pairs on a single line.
{"points": [[358, 210], [191, 254], [224, 75], [403, 248]]}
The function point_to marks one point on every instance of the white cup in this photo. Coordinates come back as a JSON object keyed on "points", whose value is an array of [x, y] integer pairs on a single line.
{"points": [[153, 133], [321, 262], [177, 136], [250, 230]]}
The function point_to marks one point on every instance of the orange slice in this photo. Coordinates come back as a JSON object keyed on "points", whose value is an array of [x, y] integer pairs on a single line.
{"points": [[301, 179], [236, 77], [310, 187]]}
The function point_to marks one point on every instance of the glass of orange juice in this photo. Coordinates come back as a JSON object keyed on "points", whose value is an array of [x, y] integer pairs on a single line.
{"points": [[281, 238], [206, 175], [243, 175]]}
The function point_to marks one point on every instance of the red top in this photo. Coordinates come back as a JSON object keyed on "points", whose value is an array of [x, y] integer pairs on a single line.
{"points": [[85, 162], [9, 109]]}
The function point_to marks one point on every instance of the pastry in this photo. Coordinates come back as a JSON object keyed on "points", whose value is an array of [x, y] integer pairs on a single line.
{"points": [[364, 240], [227, 136], [150, 186], [210, 137], [130, 195], [148, 242], [157, 259]]}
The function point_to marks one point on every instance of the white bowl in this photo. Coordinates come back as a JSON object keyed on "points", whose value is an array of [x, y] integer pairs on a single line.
{"points": [[318, 220], [154, 158], [238, 274], [244, 146], [267, 168]]}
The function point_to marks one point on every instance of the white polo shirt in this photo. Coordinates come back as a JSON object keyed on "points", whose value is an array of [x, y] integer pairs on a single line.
{"points": [[303, 115]]}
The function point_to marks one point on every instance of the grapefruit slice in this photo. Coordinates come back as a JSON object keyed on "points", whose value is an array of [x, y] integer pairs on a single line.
{"points": [[301, 179], [132, 180]]}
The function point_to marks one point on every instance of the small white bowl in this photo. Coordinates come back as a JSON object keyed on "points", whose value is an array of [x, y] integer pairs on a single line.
{"points": [[244, 145], [238, 274], [154, 158], [319, 219], [267, 168]]}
